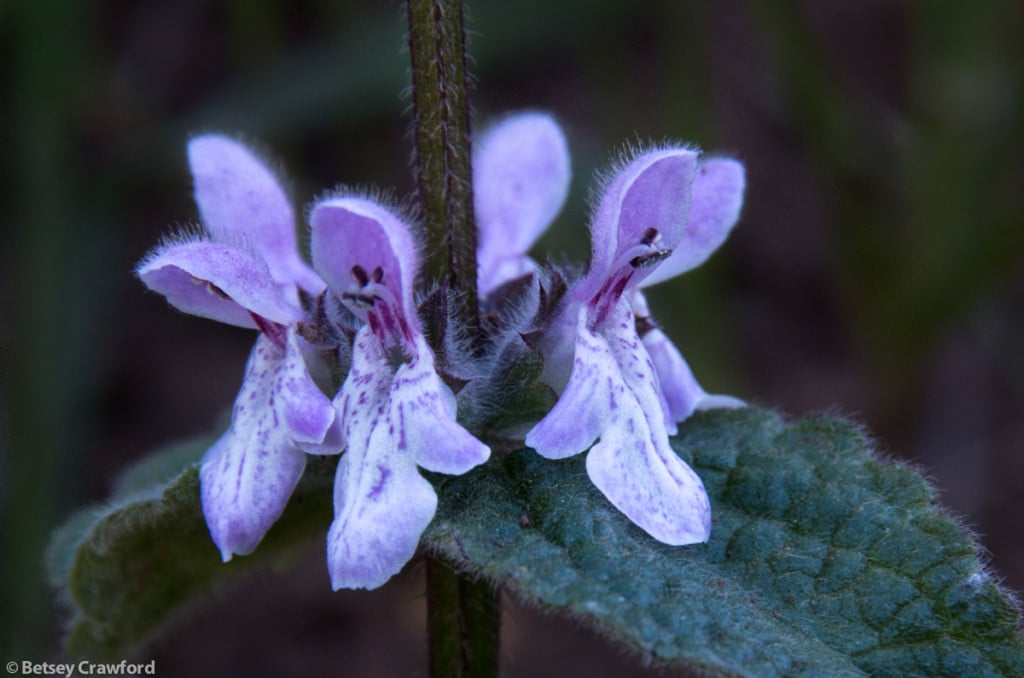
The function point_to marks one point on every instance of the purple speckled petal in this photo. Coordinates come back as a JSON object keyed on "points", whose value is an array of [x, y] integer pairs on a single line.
{"points": [[585, 407], [423, 409], [715, 207], [381, 503], [306, 412], [633, 464], [217, 281], [613, 395], [650, 191], [362, 402], [242, 204], [248, 475], [520, 181], [350, 231]]}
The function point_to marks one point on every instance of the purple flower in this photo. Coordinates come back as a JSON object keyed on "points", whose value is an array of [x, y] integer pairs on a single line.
{"points": [[660, 208], [521, 178], [245, 270], [395, 412]]}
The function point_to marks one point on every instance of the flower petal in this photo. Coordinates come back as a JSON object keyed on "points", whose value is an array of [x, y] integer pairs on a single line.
{"points": [[613, 394], [381, 503], [242, 204], [350, 231], [642, 477], [633, 464], [307, 413], [682, 392], [650, 191], [362, 400], [715, 207], [520, 181], [248, 475], [590, 398], [423, 409], [216, 281]]}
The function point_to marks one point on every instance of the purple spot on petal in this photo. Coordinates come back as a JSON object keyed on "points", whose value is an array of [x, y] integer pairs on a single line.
{"points": [[378, 487], [401, 428]]}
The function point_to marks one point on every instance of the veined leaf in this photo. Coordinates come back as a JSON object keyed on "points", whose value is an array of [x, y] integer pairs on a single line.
{"points": [[823, 560]]}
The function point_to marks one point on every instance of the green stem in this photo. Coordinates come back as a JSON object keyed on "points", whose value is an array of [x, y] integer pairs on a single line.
{"points": [[437, 46], [463, 614], [463, 621]]}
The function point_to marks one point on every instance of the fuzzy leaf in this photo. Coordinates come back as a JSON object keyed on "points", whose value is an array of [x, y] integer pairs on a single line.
{"points": [[823, 559], [125, 567]]}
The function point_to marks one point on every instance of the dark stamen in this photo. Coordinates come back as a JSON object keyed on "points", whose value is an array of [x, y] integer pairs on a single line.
{"points": [[644, 324], [359, 298], [359, 275], [645, 260], [377, 275], [649, 236]]}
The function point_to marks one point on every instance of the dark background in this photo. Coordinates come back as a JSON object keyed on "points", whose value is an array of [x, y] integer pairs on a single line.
{"points": [[875, 273]]}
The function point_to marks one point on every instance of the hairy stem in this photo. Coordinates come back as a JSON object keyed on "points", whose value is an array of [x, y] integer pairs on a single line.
{"points": [[437, 46], [463, 614]]}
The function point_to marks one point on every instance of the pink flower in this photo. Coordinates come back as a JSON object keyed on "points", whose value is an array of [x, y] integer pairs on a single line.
{"points": [[662, 211], [244, 269], [394, 410]]}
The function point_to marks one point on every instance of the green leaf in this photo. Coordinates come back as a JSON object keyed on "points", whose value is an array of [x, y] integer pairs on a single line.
{"points": [[124, 568], [824, 559]]}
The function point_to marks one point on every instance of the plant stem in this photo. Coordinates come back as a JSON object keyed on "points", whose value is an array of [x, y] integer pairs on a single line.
{"points": [[463, 619], [437, 46], [463, 614]]}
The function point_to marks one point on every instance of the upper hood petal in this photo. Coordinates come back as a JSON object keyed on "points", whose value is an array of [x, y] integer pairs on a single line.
{"points": [[352, 231], [218, 282], [651, 191], [242, 203], [521, 173], [714, 209]]}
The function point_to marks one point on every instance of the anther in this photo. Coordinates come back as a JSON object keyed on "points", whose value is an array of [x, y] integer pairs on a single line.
{"points": [[650, 238], [359, 299], [645, 260], [377, 275], [644, 325], [359, 275]]}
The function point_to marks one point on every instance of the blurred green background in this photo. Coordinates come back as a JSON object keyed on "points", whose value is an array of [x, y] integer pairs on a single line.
{"points": [[876, 271]]}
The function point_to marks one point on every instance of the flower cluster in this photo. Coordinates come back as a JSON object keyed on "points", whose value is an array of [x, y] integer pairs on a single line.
{"points": [[619, 380]]}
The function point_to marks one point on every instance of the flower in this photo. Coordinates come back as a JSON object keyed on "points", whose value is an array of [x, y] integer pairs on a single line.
{"points": [[520, 181], [245, 270], [395, 412], [521, 173], [652, 205]]}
